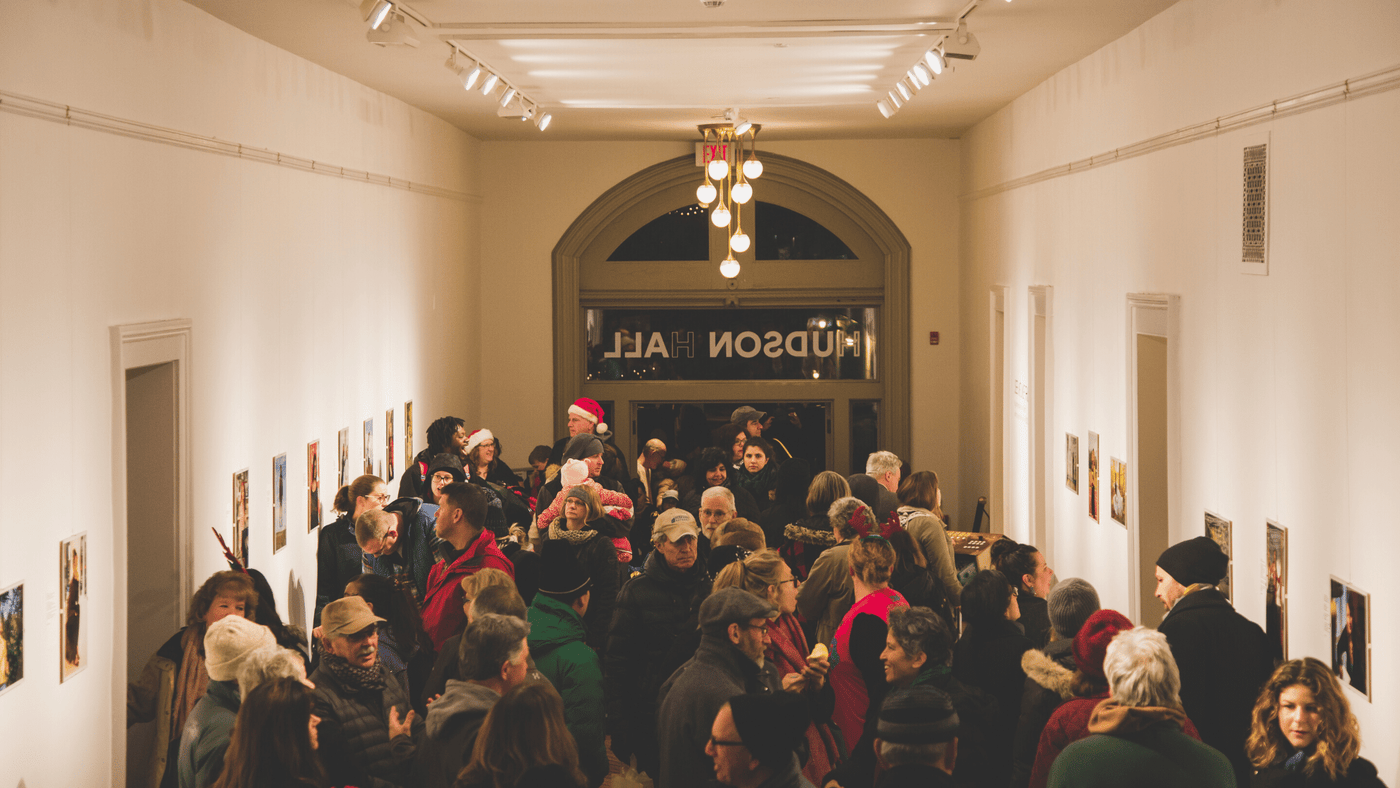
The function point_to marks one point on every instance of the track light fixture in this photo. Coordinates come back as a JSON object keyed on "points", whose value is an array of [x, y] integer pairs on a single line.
{"points": [[473, 74], [393, 31], [375, 12], [511, 104], [507, 96], [542, 121], [958, 44], [489, 84]]}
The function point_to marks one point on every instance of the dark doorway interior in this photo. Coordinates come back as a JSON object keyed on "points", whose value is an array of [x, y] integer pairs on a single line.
{"points": [[687, 427]]}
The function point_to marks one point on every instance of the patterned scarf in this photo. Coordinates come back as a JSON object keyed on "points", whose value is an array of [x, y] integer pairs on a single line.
{"points": [[355, 679], [576, 538], [192, 681]]}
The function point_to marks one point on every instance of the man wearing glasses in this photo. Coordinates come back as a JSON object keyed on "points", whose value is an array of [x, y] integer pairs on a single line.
{"points": [[729, 662], [754, 738]]}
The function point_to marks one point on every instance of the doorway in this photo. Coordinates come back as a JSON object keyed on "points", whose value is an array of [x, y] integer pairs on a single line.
{"points": [[152, 551], [996, 441], [1041, 386], [1154, 453], [686, 427]]}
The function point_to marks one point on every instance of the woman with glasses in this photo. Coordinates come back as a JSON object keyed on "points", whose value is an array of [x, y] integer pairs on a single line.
{"points": [[765, 575]]}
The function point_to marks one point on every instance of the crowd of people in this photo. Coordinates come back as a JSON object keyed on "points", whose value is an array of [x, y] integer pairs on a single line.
{"points": [[723, 617]]}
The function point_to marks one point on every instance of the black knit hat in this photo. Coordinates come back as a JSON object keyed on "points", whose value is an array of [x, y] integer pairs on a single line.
{"points": [[771, 725], [582, 445], [920, 714], [446, 462], [1198, 560], [561, 574]]}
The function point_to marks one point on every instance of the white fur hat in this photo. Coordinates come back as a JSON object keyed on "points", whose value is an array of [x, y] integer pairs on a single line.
{"points": [[229, 641]]}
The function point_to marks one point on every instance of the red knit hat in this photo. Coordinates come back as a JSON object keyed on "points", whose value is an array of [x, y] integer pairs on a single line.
{"points": [[1093, 639]]}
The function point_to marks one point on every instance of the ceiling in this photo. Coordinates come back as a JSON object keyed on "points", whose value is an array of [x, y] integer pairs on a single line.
{"points": [[654, 69]]}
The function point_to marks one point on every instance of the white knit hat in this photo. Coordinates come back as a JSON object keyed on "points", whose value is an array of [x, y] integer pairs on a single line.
{"points": [[229, 641]]}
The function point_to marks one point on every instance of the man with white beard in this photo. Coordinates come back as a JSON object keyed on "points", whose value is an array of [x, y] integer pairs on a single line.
{"points": [[368, 732]]}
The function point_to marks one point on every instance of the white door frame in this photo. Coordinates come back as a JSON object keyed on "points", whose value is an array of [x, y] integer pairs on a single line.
{"points": [[1042, 508], [999, 375], [1154, 314], [134, 346]]}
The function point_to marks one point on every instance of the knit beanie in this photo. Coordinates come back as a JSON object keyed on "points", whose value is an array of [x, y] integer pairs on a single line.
{"points": [[771, 724], [1093, 639], [446, 462], [1193, 561], [229, 641], [1069, 605], [579, 493], [921, 714], [582, 445]]}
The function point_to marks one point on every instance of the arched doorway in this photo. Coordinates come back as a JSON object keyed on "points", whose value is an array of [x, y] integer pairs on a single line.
{"points": [[817, 318]]}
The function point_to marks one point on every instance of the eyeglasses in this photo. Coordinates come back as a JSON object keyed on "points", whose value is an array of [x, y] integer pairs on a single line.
{"points": [[717, 743], [763, 627], [378, 497], [796, 581]]}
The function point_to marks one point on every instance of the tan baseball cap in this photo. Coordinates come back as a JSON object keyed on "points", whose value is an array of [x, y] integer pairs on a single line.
{"points": [[674, 524], [346, 616]]}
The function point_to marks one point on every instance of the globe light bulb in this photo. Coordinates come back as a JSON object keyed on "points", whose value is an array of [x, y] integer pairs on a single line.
{"points": [[742, 193], [720, 216], [739, 242], [753, 168], [729, 268], [719, 169], [706, 194]]}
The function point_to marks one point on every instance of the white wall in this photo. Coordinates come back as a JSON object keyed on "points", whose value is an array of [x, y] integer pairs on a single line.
{"points": [[313, 301], [1287, 381], [537, 189]]}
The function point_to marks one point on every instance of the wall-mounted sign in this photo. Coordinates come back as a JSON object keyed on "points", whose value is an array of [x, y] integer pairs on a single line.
{"points": [[731, 344]]}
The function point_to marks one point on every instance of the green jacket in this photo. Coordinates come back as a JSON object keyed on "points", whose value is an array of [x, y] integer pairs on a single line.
{"points": [[556, 643]]}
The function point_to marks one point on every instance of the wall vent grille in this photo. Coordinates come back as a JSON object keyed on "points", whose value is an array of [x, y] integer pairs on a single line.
{"points": [[1256, 214]]}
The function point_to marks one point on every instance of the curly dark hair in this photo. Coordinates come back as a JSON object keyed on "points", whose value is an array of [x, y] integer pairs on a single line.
{"points": [[440, 433]]}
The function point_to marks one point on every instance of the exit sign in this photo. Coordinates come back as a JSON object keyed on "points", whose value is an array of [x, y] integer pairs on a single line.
{"points": [[705, 152]]}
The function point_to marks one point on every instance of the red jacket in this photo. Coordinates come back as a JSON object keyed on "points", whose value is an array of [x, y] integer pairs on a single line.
{"points": [[443, 616]]}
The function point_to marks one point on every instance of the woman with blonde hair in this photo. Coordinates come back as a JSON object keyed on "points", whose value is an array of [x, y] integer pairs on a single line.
{"points": [[1302, 731], [523, 735], [766, 576]]}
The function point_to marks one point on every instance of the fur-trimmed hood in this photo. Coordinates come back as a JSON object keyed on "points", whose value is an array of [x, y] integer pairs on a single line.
{"points": [[824, 539], [1049, 672]]}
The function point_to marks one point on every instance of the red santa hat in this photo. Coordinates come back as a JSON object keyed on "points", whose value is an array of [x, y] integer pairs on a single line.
{"points": [[478, 437], [591, 410]]}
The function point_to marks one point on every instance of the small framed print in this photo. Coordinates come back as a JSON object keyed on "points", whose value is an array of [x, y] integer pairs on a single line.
{"points": [[279, 502], [389, 444], [313, 485], [1350, 613], [369, 446], [342, 453], [11, 637], [1118, 474], [1072, 462], [1218, 529], [1094, 475], [240, 516], [1276, 589], [73, 588], [407, 433]]}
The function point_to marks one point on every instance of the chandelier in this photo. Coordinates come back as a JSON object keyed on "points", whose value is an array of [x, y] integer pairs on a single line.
{"points": [[727, 176]]}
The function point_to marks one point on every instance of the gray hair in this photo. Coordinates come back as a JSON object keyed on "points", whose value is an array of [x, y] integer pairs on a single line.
{"points": [[882, 462], [488, 643], [840, 513], [1140, 669], [266, 664], [919, 630], [904, 754], [655, 445], [373, 524], [719, 492]]}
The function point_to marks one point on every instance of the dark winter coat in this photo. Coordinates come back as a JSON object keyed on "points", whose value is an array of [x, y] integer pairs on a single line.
{"points": [[915, 775], [1035, 619], [1224, 660], [977, 718], [989, 657], [804, 541], [411, 484], [415, 551], [450, 732], [1068, 724], [354, 732], [1048, 678], [205, 738], [1360, 774], [778, 517], [594, 551], [653, 610], [557, 644], [339, 560], [691, 698]]}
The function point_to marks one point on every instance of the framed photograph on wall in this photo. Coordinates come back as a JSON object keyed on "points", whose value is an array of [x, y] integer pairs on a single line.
{"points": [[1350, 613], [72, 561], [407, 433], [1118, 492], [279, 502], [342, 453], [1094, 475], [389, 444], [1072, 462], [313, 485], [11, 637], [1218, 529], [1276, 589], [240, 516], [369, 446]]}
